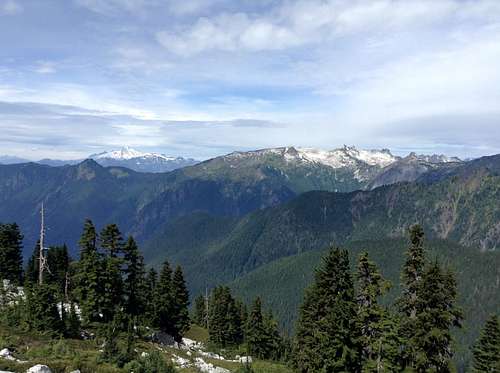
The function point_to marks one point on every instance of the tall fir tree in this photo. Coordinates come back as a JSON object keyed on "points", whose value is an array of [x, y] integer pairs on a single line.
{"points": [[111, 278], [87, 279], [255, 336], [413, 270], [135, 286], [327, 335], [11, 257], [486, 351], [199, 311], [274, 341], [32, 267], [164, 301], [379, 332], [224, 322], [411, 276], [181, 303], [436, 314], [151, 282]]}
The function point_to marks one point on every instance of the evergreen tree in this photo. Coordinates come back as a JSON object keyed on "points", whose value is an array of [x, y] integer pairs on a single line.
{"points": [[436, 314], [327, 336], [42, 314], [224, 326], [379, 333], [58, 261], [487, 349], [111, 279], [72, 323], [112, 240], [181, 304], [413, 270], [274, 342], [135, 281], [151, 281], [200, 314], [164, 301], [11, 257], [411, 276], [255, 336], [32, 267], [87, 279]]}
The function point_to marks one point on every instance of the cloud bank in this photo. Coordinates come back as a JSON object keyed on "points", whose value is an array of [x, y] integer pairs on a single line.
{"points": [[201, 78]]}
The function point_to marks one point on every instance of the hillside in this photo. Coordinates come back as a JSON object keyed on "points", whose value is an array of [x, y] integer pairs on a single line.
{"points": [[142, 203], [461, 208]]}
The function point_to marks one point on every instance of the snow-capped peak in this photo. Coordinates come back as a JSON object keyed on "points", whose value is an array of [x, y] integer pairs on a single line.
{"points": [[127, 153], [434, 158], [348, 156]]}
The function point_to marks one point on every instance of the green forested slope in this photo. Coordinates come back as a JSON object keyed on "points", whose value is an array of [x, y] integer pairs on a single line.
{"points": [[281, 283]]}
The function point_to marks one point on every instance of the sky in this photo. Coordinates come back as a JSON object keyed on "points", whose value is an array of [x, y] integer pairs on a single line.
{"points": [[201, 78]]}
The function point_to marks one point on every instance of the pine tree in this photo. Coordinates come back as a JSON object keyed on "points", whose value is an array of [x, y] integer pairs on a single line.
{"points": [[164, 301], [111, 279], [135, 281], [58, 261], [411, 276], [413, 270], [274, 342], [199, 314], [11, 259], [151, 281], [112, 240], [487, 349], [87, 279], [436, 314], [42, 314], [379, 332], [256, 337], [327, 336], [224, 326], [181, 304], [32, 267]]}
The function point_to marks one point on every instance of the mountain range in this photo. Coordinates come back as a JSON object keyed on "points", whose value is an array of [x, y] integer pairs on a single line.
{"points": [[125, 157]]}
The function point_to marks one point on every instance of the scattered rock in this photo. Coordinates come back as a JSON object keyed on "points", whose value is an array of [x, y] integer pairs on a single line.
{"points": [[245, 359], [5, 371], [39, 368], [181, 362], [208, 367], [163, 339], [7, 354], [75, 371]]}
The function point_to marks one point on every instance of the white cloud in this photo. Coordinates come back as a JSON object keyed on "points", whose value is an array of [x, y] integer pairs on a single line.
{"points": [[301, 22], [45, 67], [10, 7]]}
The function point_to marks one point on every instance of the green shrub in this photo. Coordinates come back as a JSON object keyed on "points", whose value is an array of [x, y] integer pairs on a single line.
{"points": [[154, 362]]}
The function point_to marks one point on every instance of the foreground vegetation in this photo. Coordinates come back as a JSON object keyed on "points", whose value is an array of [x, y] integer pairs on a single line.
{"points": [[106, 313]]}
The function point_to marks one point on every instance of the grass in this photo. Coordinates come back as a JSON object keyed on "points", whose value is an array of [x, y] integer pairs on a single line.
{"points": [[66, 355]]}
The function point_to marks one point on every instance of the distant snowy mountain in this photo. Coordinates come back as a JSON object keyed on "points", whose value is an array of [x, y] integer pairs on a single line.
{"points": [[140, 161], [350, 168]]}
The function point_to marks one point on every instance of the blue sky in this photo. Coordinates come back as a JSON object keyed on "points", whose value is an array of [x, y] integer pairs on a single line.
{"points": [[201, 78]]}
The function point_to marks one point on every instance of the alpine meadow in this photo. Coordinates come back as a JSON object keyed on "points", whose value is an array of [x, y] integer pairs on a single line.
{"points": [[178, 192]]}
